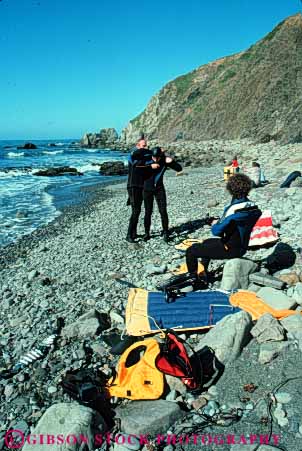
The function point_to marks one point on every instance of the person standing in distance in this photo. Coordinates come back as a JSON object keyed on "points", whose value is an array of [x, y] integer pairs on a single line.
{"points": [[140, 168], [154, 189]]}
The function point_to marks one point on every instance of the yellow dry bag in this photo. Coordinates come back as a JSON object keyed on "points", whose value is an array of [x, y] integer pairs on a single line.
{"points": [[228, 171]]}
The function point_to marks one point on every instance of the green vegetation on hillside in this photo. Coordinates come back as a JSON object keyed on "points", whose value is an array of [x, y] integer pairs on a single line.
{"points": [[230, 73], [270, 35], [184, 82], [249, 94]]}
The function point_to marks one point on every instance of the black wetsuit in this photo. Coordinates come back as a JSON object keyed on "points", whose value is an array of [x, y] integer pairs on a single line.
{"points": [[154, 188], [139, 171]]}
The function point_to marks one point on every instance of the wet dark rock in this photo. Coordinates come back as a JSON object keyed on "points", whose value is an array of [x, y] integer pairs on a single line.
{"points": [[53, 172], [27, 146], [113, 168]]}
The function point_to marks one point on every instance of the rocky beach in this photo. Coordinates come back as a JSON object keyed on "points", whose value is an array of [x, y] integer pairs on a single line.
{"points": [[80, 268]]}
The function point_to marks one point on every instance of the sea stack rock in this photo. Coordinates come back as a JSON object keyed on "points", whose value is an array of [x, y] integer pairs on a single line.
{"points": [[106, 138]]}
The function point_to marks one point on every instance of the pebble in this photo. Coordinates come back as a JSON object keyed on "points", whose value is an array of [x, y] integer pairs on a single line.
{"points": [[171, 396], [32, 275], [116, 318], [213, 391], [153, 269], [199, 403], [8, 391], [280, 416], [211, 408], [283, 398], [80, 275], [293, 426], [52, 389], [249, 406]]}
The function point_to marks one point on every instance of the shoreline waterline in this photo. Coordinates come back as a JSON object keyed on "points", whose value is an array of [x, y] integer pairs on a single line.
{"points": [[29, 201], [90, 197]]}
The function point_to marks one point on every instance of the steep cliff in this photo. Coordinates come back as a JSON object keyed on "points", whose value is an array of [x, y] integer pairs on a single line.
{"points": [[255, 94]]}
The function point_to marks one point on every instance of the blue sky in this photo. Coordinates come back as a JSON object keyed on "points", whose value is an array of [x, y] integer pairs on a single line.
{"points": [[68, 67]]}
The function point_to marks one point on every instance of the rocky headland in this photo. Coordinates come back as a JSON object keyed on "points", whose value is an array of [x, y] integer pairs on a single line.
{"points": [[254, 94], [252, 97], [80, 268]]}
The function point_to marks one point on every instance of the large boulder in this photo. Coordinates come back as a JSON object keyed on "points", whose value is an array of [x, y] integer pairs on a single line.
{"points": [[267, 329], [236, 273], [293, 325], [297, 293], [87, 325], [76, 424], [54, 172], [113, 168], [228, 337], [148, 417], [276, 298]]}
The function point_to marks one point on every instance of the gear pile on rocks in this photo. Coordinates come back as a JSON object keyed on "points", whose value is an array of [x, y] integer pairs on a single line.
{"points": [[80, 268]]}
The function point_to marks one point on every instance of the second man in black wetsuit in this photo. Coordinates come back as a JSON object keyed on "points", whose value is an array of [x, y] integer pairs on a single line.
{"points": [[141, 166], [154, 189]]}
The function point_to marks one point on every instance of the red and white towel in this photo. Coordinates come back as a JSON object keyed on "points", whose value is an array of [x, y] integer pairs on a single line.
{"points": [[263, 231]]}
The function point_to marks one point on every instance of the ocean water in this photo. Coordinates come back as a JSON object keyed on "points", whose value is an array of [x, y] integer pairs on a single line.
{"points": [[28, 201]]}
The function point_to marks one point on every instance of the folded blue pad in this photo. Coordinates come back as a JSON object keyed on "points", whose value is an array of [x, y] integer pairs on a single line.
{"points": [[191, 311]]}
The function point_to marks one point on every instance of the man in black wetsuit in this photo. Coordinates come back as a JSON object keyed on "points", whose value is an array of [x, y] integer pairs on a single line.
{"points": [[154, 188], [140, 168]]}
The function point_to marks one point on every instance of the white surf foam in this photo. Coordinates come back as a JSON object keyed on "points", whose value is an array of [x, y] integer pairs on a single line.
{"points": [[54, 152], [15, 154]]}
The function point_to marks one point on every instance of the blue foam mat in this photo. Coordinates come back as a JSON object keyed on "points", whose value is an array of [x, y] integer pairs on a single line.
{"points": [[193, 310]]}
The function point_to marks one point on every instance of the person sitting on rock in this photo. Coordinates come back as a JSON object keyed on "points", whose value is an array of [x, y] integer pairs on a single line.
{"points": [[263, 180], [154, 188], [254, 174], [233, 229], [140, 165]]}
